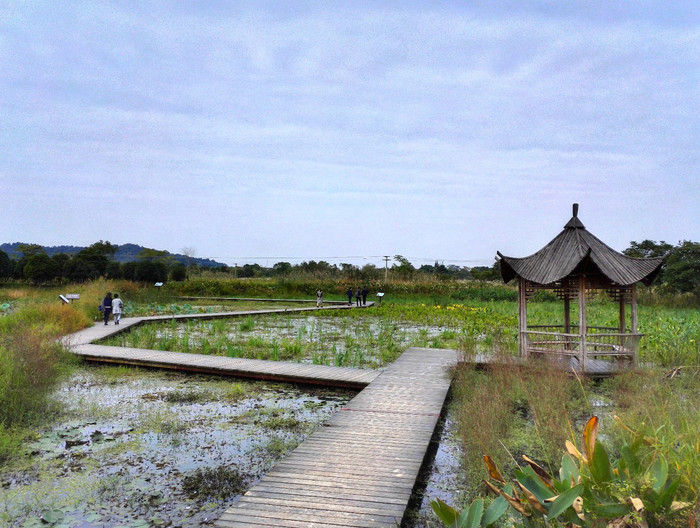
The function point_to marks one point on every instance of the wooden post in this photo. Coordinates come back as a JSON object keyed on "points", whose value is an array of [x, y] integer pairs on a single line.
{"points": [[633, 309], [582, 321], [633, 321], [522, 317], [567, 319], [622, 325]]}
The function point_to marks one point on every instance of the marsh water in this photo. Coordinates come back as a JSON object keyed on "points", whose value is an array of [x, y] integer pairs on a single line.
{"points": [[368, 342], [137, 447]]}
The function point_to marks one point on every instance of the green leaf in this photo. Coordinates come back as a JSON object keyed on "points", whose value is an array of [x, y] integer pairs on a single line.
{"points": [[476, 510], [600, 465], [658, 473], [667, 495], [569, 470], [52, 516], [610, 510], [529, 479], [495, 510], [446, 513], [564, 501], [630, 461]]}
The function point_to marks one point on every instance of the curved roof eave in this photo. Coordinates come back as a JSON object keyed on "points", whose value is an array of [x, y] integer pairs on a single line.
{"points": [[560, 257]]}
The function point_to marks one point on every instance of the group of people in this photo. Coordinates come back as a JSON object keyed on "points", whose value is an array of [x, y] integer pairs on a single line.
{"points": [[359, 294], [111, 305]]}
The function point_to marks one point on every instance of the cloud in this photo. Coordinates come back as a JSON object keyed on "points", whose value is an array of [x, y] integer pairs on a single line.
{"points": [[402, 125]]}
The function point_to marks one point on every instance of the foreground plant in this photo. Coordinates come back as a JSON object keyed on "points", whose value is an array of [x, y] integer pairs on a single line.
{"points": [[634, 491]]}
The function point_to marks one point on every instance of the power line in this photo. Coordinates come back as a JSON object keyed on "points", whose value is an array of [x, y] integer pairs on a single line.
{"points": [[350, 257]]}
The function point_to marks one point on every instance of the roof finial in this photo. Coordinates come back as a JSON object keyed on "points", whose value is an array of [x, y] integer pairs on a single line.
{"points": [[576, 210]]}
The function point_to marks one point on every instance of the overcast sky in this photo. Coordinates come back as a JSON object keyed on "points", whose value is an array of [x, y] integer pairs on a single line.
{"points": [[344, 131]]}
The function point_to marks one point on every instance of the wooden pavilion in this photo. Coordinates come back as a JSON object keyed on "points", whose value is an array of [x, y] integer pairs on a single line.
{"points": [[577, 266]]}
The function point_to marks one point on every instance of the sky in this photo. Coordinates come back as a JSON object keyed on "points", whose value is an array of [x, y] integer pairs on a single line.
{"points": [[266, 131]]}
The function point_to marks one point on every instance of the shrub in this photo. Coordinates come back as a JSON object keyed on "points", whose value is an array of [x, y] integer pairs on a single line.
{"points": [[29, 364]]}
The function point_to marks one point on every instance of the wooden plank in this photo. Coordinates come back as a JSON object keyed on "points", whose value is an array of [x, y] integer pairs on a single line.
{"points": [[363, 464]]}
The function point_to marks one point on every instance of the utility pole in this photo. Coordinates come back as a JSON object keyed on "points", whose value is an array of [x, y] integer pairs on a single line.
{"points": [[386, 268]]}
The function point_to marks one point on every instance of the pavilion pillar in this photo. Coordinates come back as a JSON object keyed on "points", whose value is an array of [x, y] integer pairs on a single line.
{"points": [[623, 316], [522, 317], [633, 309], [633, 321], [567, 319], [582, 321]]}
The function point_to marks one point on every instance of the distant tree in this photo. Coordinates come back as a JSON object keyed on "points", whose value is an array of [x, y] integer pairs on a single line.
{"points": [[459, 272], [149, 271], [648, 248], [178, 272], [440, 269], [6, 265], [250, 270], [369, 272], [61, 260], [40, 269], [155, 255], [92, 261], [129, 270], [80, 270], [682, 269], [281, 268], [27, 251], [189, 253], [405, 269], [485, 273], [104, 248], [113, 270], [350, 271]]}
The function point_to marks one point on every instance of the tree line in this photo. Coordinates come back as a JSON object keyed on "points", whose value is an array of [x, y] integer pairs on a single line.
{"points": [[680, 274], [93, 262]]}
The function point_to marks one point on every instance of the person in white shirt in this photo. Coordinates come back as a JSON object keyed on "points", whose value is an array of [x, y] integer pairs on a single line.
{"points": [[117, 308]]}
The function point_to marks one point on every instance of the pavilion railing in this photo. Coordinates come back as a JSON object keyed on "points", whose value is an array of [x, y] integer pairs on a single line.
{"points": [[598, 341]]}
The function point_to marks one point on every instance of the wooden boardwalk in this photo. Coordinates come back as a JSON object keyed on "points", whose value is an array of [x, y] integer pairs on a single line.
{"points": [[82, 343], [358, 469]]}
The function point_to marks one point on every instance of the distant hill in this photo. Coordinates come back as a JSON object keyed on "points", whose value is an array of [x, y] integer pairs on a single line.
{"points": [[125, 253]]}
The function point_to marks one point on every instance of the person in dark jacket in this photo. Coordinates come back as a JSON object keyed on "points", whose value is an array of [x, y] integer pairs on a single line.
{"points": [[358, 297], [107, 306], [349, 294], [365, 292]]}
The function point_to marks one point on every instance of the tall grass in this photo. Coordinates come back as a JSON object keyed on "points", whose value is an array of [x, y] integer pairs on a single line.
{"points": [[31, 360], [508, 411]]}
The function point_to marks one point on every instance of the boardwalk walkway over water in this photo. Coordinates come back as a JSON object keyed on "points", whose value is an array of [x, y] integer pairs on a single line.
{"points": [[81, 343], [359, 468]]}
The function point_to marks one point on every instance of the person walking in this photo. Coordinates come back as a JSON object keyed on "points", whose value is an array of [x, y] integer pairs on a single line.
{"points": [[358, 297], [349, 294], [319, 298], [117, 308], [365, 292], [107, 306]]}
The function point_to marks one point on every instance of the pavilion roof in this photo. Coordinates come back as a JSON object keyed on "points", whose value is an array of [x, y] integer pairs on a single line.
{"points": [[575, 249]]}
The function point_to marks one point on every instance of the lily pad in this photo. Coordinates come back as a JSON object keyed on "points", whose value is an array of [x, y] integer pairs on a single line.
{"points": [[52, 516]]}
